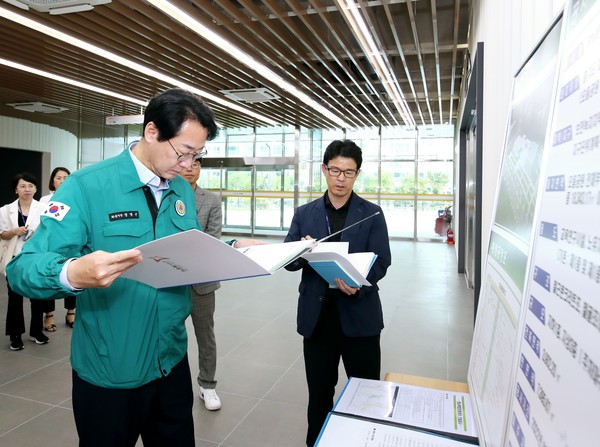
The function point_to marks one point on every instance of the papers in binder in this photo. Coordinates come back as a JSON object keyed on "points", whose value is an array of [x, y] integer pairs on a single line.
{"points": [[194, 257], [341, 430], [331, 260], [441, 411], [275, 256]]}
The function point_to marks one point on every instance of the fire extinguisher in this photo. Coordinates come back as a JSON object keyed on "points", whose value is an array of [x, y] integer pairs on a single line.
{"points": [[450, 236]]}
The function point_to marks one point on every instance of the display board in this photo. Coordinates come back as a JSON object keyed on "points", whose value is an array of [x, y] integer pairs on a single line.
{"points": [[499, 311], [556, 395]]}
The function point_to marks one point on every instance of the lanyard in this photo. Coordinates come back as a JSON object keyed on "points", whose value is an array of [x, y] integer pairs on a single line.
{"points": [[21, 216], [327, 222]]}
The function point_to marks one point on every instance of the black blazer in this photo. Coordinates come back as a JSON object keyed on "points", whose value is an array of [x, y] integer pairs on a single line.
{"points": [[361, 314]]}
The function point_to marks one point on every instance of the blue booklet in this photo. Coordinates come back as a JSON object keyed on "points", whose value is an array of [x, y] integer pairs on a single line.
{"points": [[352, 268]]}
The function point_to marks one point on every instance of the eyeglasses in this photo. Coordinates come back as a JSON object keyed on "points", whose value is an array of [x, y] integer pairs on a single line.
{"points": [[183, 157], [335, 172]]}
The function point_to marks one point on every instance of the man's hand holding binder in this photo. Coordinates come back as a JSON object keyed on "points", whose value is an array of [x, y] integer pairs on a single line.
{"points": [[342, 270], [332, 261]]}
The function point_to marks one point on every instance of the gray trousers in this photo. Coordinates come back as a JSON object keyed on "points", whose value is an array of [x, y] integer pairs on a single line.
{"points": [[203, 309]]}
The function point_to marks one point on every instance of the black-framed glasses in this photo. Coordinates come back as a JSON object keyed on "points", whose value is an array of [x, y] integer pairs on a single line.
{"points": [[192, 155], [335, 172]]}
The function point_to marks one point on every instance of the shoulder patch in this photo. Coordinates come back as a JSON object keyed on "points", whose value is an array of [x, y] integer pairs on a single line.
{"points": [[56, 210], [180, 208]]}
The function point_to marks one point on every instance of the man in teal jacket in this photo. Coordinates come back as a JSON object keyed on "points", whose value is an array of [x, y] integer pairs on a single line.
{"points": [[131, 375]]}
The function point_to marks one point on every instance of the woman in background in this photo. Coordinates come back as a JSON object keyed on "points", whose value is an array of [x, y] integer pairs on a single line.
{"points": [[59, 174], [18, 222]]}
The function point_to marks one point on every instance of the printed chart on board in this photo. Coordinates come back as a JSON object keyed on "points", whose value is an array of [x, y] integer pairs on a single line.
{"points": [[556, 400], [491, 369]]}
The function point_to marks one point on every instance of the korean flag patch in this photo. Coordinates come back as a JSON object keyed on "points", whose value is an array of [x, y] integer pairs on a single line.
{"points": [[56, 210]]}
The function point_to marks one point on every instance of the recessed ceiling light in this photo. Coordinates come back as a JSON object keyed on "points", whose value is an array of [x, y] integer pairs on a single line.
{"points": [[56, 7], [37, 106], [18, 4], [68, 9], [251, 94]]}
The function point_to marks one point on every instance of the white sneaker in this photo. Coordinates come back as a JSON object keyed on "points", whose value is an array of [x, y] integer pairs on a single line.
{"points": [[210, 398]]}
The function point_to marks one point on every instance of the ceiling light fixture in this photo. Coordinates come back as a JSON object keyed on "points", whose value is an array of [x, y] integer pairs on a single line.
{"points": [[72, 82], [68, 9], [250, 94], [241, 56], [22, 20], [56, 7], [375, 56], [37, 106], [18, 4]]}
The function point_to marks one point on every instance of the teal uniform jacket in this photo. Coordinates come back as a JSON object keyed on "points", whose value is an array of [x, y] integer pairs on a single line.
{"points": [[128, 334]]}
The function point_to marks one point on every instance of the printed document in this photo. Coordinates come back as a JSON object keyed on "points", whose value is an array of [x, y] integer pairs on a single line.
{"points": [[340, 430], [439, 410]]}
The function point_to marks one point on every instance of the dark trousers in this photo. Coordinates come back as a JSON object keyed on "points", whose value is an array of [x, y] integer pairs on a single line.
{"points": [[322, 353], [50, 305], [160, 411], [15, 320], [70, 301]]}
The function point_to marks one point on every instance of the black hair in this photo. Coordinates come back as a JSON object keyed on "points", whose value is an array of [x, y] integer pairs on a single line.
{"points": [[25, 176], [170, 109], [54, 172], [343, 148]]}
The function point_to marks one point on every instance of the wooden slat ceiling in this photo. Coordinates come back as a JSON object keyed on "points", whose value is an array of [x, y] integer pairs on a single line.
{"points": [[307, 43]]}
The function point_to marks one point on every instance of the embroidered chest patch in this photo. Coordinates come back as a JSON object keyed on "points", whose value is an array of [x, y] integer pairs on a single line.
{"points": [[122, 215]]}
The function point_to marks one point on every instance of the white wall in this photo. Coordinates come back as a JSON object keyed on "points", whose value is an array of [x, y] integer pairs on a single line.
{"points": [[23, 134], [509, 29]]}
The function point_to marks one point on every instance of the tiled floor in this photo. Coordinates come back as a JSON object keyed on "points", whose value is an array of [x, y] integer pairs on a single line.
{"points": [[429, 318]]}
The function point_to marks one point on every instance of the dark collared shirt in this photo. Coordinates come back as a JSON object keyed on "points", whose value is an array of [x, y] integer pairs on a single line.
{"points": [[336, 218]]}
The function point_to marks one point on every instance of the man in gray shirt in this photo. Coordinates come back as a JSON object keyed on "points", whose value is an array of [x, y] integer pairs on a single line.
{"points": [[210, 217]]}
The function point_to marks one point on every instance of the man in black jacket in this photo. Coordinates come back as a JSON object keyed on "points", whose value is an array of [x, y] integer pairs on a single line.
{"points": [[342, 322]]}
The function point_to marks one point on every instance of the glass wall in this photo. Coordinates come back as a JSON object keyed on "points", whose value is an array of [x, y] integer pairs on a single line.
{"points": [[434, 177], [263, 174], [115, 139]]}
